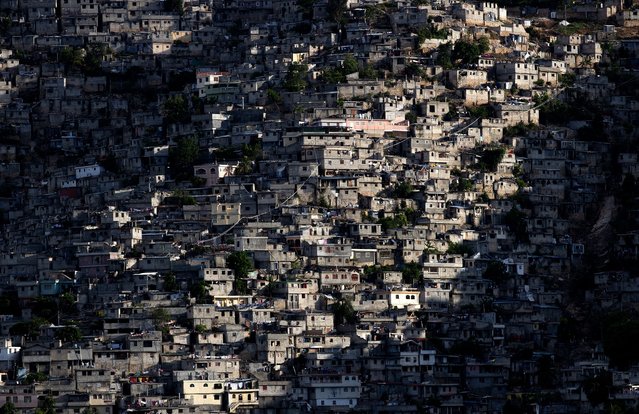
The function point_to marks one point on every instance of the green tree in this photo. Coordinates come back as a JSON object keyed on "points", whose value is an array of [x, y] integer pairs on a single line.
{"points": [[373, 13], [412, 273], [515, 219], [170, 282], [94, 55], [620, 336], [174, 6], [518, 130], [307, 8], [619, 407], [555, 111], [368, 72], [490, 158], [430, 248], [241, 287], [72, 57], [9, 304], [323, 202], [333, 76], [273, 96], [179, 80], [252, 151], [350, 64], [200, 291], [461, 185], [67, 303], [452, 114], [429, 31], [8, 408], [46, 406], [398, 221], [372, 274], [46, 308], [182, 198], [546, 372], [195, 250], [459, 248], [242, 265], [403, 189], [337, 11], [110, 163], [244, 167], [413, 69], [481, 111], [467, 347], [514, 405], [336, 75], [483, 198], [445, 55], [183, 157], [197, 103], [176, 110], [295, 80], [160, 317], [343, 312], [484, 44], [5, 25], [496, 272], [34, 377], [197, 182], [570, 329], [70, 333], [466, 52], [29, 329], [628, 190], [597, 388]]}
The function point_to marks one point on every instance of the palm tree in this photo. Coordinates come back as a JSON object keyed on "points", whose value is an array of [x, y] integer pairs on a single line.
{"points": [[244, 167], [8, 408]]}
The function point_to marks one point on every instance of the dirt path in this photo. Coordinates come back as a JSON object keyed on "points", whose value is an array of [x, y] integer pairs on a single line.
{"points": [[598, 239]]}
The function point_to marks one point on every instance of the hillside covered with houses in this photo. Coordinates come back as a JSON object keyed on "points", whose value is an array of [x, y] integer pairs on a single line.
{"points": [[291, 206]]}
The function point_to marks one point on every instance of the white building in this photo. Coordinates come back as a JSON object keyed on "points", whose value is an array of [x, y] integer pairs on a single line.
{"points": [[332, 390], [87, 171], [400, 299], [9, 354]]}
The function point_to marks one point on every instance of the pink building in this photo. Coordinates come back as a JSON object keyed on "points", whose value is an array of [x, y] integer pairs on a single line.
{"points": [[377, 127]]}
